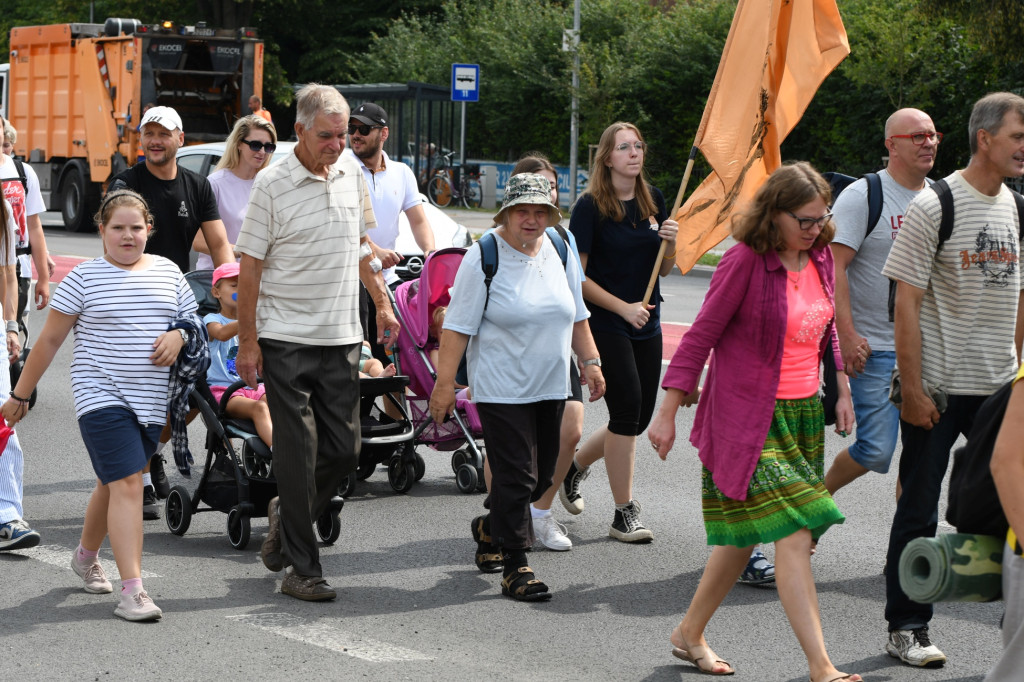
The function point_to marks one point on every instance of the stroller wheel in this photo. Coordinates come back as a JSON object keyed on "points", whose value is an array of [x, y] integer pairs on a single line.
{"points": [[178, 510], [459, 457], [349, 486], [466, 479], [239, 528], [419, 466], [328, 527], [254, 465], [401, 476]]}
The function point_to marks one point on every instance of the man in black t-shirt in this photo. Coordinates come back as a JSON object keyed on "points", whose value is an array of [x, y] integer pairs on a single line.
{"points": [[182, 203]]}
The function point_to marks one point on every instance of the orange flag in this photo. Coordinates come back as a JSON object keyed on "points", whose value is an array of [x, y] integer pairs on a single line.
{"points": [[776, 56]]}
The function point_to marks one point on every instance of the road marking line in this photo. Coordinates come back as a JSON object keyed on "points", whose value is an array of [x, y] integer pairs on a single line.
{"points": [[57, 555], [329, 637]]}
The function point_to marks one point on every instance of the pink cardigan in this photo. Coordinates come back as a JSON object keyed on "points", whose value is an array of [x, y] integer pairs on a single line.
{"points": [[743, 319]]}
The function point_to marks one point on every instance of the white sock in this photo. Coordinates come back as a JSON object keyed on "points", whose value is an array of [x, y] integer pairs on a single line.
{"points": [[147, 480], [539, 513]]}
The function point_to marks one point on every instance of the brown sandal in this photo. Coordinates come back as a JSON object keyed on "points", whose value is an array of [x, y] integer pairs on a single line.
{"points": [[488, 559], [521, 585], [685, 655]]}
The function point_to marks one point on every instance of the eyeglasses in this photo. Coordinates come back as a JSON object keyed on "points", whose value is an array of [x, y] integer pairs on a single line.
{"points": [[256, 146], [808, 223], [919, 138], [363, 130], [639, 146]]}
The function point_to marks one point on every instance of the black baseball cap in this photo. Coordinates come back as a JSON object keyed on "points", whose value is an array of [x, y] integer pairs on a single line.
{"points": [[370, 114]]}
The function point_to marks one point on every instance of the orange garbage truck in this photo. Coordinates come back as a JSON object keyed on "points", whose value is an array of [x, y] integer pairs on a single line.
{"points": [[77, 91]]}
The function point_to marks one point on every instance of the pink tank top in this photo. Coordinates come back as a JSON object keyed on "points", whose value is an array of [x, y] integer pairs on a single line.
{"points": [[808, 313]]}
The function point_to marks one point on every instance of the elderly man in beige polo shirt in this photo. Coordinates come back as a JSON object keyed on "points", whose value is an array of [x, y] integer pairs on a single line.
{"points": [[304, 250]]}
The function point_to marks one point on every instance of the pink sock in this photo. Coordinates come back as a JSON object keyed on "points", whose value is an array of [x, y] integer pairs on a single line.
{"points": [[81, 554], [131, 585]]}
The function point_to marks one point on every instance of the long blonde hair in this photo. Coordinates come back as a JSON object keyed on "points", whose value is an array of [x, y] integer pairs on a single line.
{"points": [[243, 126], [600, 185]]}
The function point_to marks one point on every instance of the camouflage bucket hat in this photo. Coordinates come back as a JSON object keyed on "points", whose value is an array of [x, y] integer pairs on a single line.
{"points": [[528, 188]]}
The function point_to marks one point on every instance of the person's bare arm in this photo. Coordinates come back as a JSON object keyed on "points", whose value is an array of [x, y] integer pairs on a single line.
{"points": [[1018, 336], [378, 291], [1008, 461], [633, 312], [249, 361], [199, 244], [9, 277], [422, 232], [850, 342], [918, 408], [217, 242], [41, 259]]}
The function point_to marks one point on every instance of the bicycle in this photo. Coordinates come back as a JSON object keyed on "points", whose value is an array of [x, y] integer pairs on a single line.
{"points": [[443, 187]]}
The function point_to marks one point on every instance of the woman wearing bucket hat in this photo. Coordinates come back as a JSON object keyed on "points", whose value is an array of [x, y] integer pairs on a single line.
{"points": [[517, 332], [619, 223]]}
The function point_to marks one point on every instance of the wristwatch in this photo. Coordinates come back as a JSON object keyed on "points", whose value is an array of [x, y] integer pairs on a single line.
{"points": [[592, 361], [184, 335]]}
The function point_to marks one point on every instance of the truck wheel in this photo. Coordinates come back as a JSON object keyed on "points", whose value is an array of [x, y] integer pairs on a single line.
{"points": [[78, 200]]}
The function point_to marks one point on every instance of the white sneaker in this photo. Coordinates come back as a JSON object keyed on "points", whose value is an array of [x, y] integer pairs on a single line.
{"points": [[914, 647], [551, 533], [92, 573], [136, 606]]}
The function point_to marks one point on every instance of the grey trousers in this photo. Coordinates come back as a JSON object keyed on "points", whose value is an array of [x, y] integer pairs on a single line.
{"points": [[1011, 663], [313, 396]]}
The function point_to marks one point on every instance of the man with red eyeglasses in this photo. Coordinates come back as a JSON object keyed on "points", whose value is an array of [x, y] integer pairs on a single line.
{"points": [[958, 333], [393, 190], [862, 318]]}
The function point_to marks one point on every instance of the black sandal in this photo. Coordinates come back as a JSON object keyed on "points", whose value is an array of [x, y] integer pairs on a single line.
{"points": [[521, 585], [488, 559]]}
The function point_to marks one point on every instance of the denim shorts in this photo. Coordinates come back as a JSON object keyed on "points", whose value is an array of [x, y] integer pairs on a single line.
{"points": [[878, 420], [118, 444]]}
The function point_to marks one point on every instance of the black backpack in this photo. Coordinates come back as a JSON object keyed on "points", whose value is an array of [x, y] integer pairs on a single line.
{"points": [[973, 501]]}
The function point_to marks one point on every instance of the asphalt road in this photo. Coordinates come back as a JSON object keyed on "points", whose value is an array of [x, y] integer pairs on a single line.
{"points": [[412, 605]]}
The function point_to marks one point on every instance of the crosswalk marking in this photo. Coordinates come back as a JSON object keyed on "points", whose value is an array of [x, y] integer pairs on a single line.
{"points": [[328, 637]]}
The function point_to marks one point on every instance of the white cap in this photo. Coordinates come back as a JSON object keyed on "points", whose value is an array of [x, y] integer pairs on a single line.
{"points": [[165, 116]]}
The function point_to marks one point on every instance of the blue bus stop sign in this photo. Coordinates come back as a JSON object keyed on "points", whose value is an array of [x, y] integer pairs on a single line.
{"points": [[465, 82]]}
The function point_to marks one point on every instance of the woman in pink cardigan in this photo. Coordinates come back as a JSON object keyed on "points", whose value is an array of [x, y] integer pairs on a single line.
{"points": [[760, 427]]}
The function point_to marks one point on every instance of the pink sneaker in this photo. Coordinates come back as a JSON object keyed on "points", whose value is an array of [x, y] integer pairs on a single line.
{"points": [[136, 606], [92, 573]]}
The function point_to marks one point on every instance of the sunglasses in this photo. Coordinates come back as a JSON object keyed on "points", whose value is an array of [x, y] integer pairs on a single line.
{"points": [[256, 146], [363, 130]]}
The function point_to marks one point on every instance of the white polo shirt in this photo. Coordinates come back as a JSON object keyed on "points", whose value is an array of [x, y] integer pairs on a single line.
{"points": [[306, 230], [392, 191]]}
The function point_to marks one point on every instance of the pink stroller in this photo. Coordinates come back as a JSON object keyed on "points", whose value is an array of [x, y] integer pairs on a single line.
{"points": [[415, 304]]}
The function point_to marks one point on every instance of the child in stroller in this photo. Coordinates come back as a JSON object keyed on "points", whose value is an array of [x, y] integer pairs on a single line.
{"points": [[416, 303]]}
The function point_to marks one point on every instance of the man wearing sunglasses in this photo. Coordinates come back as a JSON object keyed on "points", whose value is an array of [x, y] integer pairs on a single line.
{"points": [[182, 203], [862, 318], [958, 329], [393, 189]]}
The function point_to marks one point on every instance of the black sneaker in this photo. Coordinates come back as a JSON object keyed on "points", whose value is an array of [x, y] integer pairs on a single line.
{"points": [[150, 505], [627, 527], [160, 482], [569, 491]]}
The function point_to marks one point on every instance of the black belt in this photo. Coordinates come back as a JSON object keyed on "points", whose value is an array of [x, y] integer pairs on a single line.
{"points": [[23, 250]]}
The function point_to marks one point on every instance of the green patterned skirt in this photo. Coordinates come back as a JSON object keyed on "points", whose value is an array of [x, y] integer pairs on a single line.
{"points": [[787, 490]]}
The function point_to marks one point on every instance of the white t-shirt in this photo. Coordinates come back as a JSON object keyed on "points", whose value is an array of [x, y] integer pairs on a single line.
{"points": [[7, 256], [392, 191], [869, 289], [971, 287], [120, 314], [25, 203], [520, 346], [232, 194]]}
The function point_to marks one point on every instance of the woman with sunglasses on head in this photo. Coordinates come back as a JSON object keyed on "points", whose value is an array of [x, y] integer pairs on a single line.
{"points": [[247, 151], [619, 223], [760, 425]]}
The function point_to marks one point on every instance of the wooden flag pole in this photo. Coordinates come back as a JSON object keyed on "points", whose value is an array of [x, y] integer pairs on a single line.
{"points": [[675, 209]]}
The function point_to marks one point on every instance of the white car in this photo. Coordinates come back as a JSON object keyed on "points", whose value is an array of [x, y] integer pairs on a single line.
{"points": [[203, 158]]}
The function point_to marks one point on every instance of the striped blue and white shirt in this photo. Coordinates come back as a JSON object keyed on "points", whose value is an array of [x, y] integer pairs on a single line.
{"points": [[120, 315]]}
